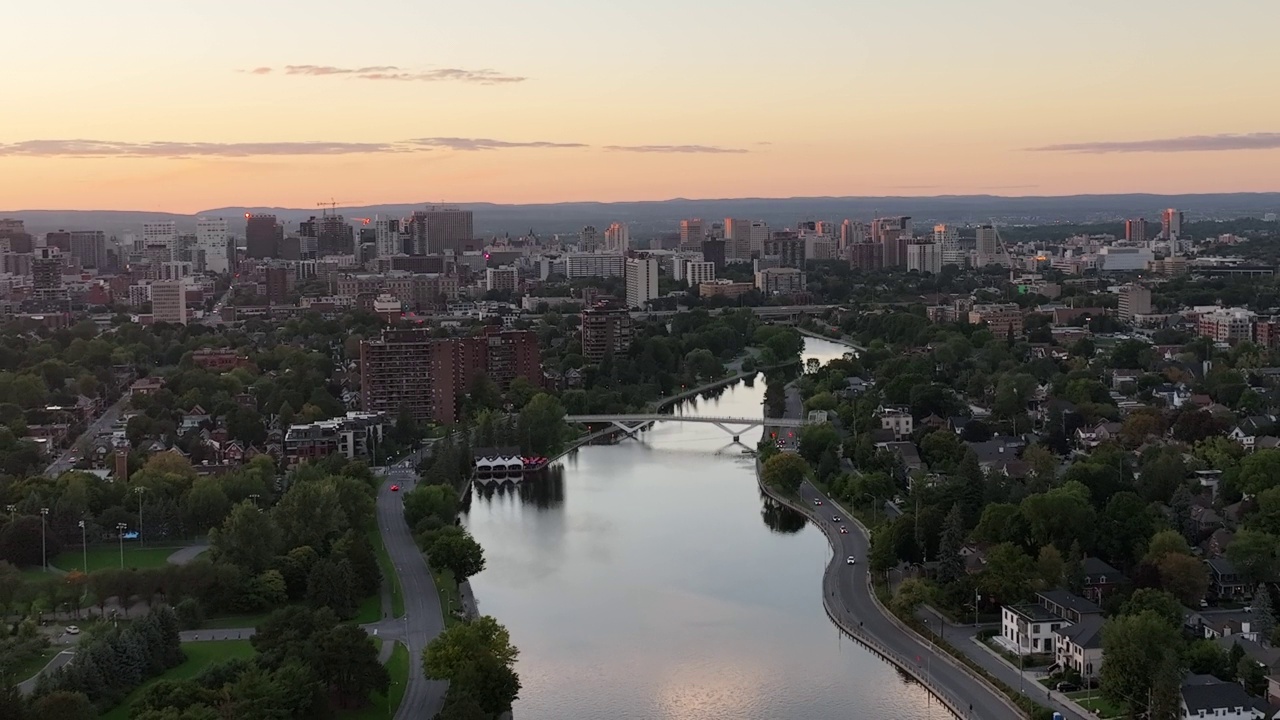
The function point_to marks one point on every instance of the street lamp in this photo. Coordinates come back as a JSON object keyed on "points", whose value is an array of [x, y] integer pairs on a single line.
{"points": [[13, 511], [44, 557], [120, 528], [254, 497], [84, 548], [139, 491]]}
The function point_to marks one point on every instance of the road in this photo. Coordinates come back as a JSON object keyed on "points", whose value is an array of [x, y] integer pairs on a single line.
{"points": [[26, 686], [99, 425]]}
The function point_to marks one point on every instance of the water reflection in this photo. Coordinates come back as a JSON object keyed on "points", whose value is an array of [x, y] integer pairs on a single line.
{"points": [[780, 518], [543, 490]]}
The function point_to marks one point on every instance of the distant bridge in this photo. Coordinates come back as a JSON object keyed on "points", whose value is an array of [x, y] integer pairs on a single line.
{"points": [[735, 426]]}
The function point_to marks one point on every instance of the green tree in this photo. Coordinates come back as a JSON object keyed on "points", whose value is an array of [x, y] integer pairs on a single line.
{"points": [[424, 501], [816, 440], [952, 563], [1134, 649], [206, 504], [1007, 577], [542, 425], [1253, 554], [459, 553], [332, 585], [478, 658], [248, 538], [311, 514], [911, 594], [346, 661], [1183, 576], [785, 472], [1161, 603], [62, 705], [1050, 567]]}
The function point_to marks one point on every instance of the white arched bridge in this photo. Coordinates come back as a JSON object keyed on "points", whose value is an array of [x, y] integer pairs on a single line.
{"points": [[735, 426]]}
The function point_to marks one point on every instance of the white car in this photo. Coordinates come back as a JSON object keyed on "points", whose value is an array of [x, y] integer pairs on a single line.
{"points": [[852, 560], [73, 630]]}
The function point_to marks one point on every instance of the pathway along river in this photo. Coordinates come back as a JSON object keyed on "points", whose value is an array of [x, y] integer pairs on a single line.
{"points": [[650, 580]]}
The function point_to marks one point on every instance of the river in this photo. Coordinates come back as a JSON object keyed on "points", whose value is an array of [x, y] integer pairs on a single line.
{"points": [[649, 580]]}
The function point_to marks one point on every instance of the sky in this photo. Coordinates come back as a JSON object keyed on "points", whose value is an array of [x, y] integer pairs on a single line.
{"points": [[177, 106]]}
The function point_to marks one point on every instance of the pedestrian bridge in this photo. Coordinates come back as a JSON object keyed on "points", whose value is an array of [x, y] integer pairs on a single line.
{"points": [[735, 426]]}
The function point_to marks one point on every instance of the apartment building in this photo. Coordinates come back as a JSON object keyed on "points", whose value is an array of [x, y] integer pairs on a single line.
{"points": [[354, 435], [1002, 319], [606, 330]]}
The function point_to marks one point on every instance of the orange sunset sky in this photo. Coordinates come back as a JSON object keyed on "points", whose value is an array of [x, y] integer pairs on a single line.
{"points": [[179, 106]]}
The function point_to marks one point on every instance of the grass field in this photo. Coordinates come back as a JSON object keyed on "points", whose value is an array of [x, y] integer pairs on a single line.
{"points": [[1103, 707], [103, 557], [389, 573], [199, 656], [449, 599], [385, 707], [34, 664]]}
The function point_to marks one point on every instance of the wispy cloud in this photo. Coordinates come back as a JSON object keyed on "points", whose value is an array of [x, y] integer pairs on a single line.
{"points": [[482, 76], [474, 144], [162, 149], [707, 149], [1188, 143]]}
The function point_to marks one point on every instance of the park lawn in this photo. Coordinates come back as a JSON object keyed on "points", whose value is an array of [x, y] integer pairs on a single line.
{"points": [[199, 656], [386, 706], [104, 557], [34, 664], [369, 610], [447, 587], [388, 573], [1098, 704]]}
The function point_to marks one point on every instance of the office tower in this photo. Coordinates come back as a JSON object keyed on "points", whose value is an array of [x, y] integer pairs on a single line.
{"points": [[788, 247], [334, 236], [865, 256], [713, 251], [262, 236], [169, 301], [851, 232], [46, 274], [947, 238], [439, 229], [501, 279], [892, 234], [1135, 231], [617, 238], [759, 236], [780, 281], [408, 370], [692, 234], [737, 238], [15, 233], [696, 273], [826, 227], [1171, 224], [989, 250], [386, 232], [213, 246], [924, 257], [642, 281], [60, 239], [158, 234], [589, 239], [89, 248], [1134, 300]]}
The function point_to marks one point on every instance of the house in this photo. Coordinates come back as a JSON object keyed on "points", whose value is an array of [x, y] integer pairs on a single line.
{"points": [[1266, 656], [1206, 518], [1221, 701], [1079, 646], [1028, 629], [1100, 579], [1273, 689], [1098, 434], [1215, 546], [1121, 377], [896, 419], [853, 387], [1170, 395], [1224, 581], [1067, 606], [147, 385], [997, 450], [1247, 431], [907, 454]]}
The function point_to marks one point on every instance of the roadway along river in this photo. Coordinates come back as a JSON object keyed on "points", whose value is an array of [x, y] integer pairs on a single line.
{"points": [[651, 581]]}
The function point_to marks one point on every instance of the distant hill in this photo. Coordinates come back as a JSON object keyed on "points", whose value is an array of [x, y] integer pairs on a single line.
{"points": [[650, 217]]}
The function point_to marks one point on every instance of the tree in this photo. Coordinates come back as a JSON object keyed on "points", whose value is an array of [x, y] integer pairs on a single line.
{"points": [[347, 663], [332, 585], [952, 563], [1134, 648], [1161, 603], [1166, 542], [63, 705], [1252, 676], [542, 425], [1264, 616], [815, 440], [1196, 425], [459, 553], [310, 514], [1184, 577], [785, 472], [911, 594], [1007, 576], [247, 538], [424, 501], [1050, 567], [477, 657], [1253, 554], [206, 504]]}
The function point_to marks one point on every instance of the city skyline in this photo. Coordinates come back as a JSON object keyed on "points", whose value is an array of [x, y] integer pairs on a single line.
{"points": [[177, 109]]}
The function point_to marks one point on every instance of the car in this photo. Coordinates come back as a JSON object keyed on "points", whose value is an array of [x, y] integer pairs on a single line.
{"points": [[395, 488], [852, 560], [835, 518], [844, 530], [1064, 687], [1247, 608], [817, 502], [73, 630]]}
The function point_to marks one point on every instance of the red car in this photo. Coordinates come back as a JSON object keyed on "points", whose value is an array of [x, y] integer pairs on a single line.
{"points": [[395, 488]]}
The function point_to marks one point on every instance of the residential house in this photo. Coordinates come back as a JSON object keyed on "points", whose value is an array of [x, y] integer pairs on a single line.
{"points": [[1079, 646], [896, 419], [1247, 431], [1228, 625], [1067, 606], [1170, 395], [1266, 656], [1102, 432], [1221, 701], [1100, 579], [1206, 518], [147, 385], [996, 451], [1122, 377], [907, 454], [1224, 581], [853, 387], [1028, 629], [1215, 546]]}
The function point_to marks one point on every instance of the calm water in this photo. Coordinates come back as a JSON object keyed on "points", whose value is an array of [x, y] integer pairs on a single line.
{"points": [[650, 580]]}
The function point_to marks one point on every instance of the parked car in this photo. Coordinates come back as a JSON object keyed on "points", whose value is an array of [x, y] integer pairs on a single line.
{"points": [[73, 630], [1065, 687]]}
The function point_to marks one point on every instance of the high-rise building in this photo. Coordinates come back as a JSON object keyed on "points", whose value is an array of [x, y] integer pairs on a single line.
{"points": [[692, 233], [989, 250], [642, 281], [780, 281], [947, 238], [408, 370], [589, 239], [580, 265], [851, 233], [281, 280], [1171, 224], [713, 251], [213, 246], [893, 234], [386, 232], [169, 301], [334, 236], [1134, 300], [865, 256], [439, 229], [262, 236], [20, 241], [606, 330], [924, 257], [157, 234], [737, 237], [46, 274], [759, 236], [788, 247], [617, 238], [60, 239], [1135, 230], [501, 279], [696, 273], [89, 248]]}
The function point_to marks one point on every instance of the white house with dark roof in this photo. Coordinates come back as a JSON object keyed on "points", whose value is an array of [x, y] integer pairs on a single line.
{"points": [[1221, 701], [1079, 646]]}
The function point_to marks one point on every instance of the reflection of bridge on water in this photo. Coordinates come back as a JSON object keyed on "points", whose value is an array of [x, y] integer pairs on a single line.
{"points": [[735, 426]]}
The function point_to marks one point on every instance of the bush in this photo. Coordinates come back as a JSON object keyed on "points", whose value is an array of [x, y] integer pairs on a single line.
{"points": [[190, 614]]}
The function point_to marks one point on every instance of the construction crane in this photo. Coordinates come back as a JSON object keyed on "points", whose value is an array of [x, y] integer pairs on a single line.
{"points": [[332, 206]]}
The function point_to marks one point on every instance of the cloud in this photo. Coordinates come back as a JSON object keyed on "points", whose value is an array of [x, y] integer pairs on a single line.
{"points": [[1188, 143], [707, 149], [483, 76], [472, 144], [109, 148]]}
